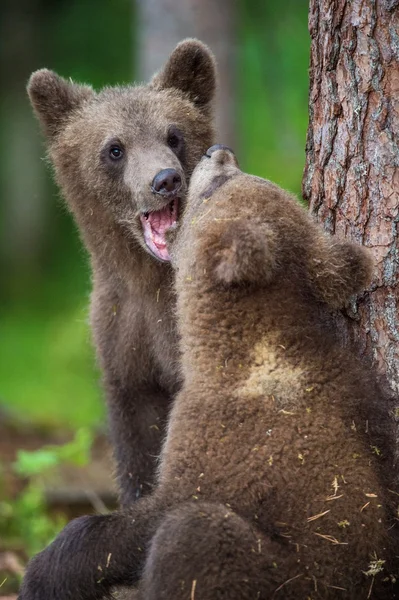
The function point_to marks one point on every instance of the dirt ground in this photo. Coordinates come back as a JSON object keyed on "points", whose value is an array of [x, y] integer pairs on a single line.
{"points": [[70, 490]]}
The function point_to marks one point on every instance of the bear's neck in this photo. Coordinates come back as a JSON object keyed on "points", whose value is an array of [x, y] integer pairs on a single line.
{"points": [[115, 255]]}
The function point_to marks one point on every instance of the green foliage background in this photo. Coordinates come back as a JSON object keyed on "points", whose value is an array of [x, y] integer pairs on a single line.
{"points": [[47, 366]]}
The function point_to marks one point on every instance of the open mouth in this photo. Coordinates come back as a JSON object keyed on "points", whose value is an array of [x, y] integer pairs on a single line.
{"points": [[156, 224]]}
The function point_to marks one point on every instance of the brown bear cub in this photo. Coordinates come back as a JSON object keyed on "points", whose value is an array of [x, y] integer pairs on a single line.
{"points": [[273, 441], [271, 481], [123, 158]]}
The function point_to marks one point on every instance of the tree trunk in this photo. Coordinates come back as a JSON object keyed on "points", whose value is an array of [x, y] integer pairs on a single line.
{"points": [[164, 23], [351, 177]]}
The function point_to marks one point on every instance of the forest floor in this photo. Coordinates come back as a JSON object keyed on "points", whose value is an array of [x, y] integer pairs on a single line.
{"points": [[68, 491]]}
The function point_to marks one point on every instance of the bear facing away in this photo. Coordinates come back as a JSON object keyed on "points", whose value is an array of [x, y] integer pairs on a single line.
{"points": [[122, 158], [272, 478], [279, 443]]}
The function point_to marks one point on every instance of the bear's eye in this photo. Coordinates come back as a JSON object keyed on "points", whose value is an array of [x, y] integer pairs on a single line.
{"points": [[175, 139], [115, 152]]}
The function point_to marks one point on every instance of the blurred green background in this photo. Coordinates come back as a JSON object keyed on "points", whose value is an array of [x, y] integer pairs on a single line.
{"points": [[47, 364]]}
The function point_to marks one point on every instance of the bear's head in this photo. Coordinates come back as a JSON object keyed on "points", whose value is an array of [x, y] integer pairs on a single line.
{"points": [[123, 156], [243, 232]]}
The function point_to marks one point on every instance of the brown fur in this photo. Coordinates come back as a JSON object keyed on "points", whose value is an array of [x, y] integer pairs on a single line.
{"points": [[131, 304], [272, 479], [275, 421]]}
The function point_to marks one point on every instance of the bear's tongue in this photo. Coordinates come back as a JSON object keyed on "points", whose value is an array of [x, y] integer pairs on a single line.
{"points": [[155, 225]]}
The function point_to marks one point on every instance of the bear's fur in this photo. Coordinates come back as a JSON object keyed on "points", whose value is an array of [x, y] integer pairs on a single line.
{"points": [[275, 420], [167, 123], [272, 479]]}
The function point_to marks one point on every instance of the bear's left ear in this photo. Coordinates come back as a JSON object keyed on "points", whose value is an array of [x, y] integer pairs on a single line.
{"points": [[191, 69], [340, 270], [240, 251]]}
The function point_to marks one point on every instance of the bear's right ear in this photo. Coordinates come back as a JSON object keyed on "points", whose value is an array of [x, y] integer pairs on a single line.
{"points": [[53, 98], [191, 68], [243, 252]]}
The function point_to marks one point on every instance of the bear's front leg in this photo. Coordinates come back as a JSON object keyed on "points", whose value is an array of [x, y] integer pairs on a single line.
{"points": [[137, 417]]}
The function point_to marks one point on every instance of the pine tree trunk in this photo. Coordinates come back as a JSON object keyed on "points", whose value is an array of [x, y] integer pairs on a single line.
{"points": [[351, 177], [164, 23]]}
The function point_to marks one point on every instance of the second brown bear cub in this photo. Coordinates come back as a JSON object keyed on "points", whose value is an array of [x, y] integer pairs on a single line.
{"points": [[270, 481], [270, 442]]}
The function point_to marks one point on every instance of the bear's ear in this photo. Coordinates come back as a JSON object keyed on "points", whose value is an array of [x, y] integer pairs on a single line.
{"points": [[241, 251], [191, 68], [53, 98], [339, 270]]}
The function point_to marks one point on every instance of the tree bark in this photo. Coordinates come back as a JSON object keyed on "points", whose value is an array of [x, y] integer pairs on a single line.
{"points": [[351, 177], [164, 23]]}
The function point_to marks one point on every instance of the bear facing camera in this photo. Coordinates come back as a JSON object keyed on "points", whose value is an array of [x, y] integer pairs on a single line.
{"points": [[122, 157]]}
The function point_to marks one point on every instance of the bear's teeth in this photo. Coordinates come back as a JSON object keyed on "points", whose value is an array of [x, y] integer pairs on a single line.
{"points": [[146, 215], [171, 206]]}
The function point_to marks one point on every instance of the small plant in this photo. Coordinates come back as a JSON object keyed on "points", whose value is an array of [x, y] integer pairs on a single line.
{"points": [[25, 523]]}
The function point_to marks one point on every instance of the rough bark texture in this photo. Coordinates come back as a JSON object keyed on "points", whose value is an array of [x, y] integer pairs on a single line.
{"points": [[164, 23], [351, 177]]}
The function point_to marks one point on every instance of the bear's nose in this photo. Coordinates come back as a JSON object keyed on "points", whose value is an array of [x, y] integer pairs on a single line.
{"points": [[166, 182], [216, 147]]}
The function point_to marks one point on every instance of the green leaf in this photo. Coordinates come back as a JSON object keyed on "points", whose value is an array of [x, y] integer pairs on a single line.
{"points": [[29, 464]]}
